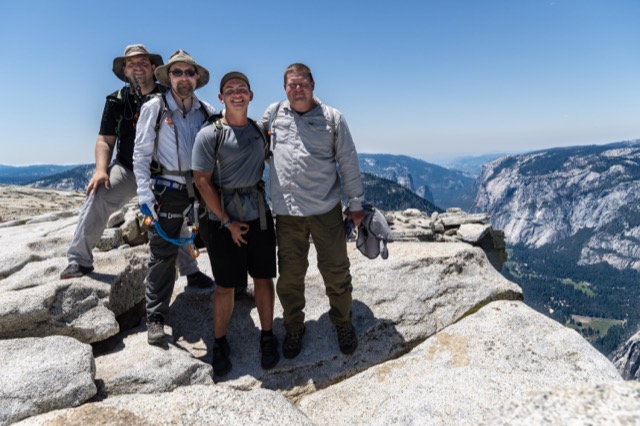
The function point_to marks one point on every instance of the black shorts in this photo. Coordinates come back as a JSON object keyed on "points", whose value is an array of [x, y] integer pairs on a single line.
{"points": [[230, 263]]}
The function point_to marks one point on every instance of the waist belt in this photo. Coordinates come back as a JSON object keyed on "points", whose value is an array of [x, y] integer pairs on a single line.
{"points": [[168, 184], [256, 189], [169, 215]]}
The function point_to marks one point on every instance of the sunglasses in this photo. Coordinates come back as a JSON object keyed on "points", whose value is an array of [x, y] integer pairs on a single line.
{"points": [[179, 73]]}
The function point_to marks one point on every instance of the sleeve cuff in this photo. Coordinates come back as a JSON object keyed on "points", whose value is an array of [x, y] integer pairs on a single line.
{"points": [[355, 204]]}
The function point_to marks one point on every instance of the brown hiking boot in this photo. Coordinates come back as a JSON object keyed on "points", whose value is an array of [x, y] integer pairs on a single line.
{"points": [[155, 331]]}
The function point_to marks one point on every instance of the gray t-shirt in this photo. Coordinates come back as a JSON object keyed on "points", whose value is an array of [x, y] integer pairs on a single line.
{"points": [[241, 163]]}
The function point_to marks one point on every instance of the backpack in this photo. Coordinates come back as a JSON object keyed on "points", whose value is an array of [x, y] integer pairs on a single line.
{"points": [[331, 119], [120, 97], [216, 120], [156, 167]]}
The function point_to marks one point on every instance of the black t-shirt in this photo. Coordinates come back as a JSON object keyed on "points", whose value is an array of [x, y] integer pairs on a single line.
{"points": [[128, 109]]}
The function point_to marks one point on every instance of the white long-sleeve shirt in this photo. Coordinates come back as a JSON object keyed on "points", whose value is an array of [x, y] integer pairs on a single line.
{"points": [[171, 155]]}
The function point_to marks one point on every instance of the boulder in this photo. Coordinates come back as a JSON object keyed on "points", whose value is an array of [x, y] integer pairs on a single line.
{"points": [[610, 403], [34, 302], [43, 374], [190, 405], [460, 375]]}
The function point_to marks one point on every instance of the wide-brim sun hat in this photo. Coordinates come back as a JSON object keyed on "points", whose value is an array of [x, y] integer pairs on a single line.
{"points": [[162, 72], [131, 51]]}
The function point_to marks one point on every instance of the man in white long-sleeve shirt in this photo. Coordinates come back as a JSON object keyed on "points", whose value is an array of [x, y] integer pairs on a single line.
{"points": [[167, 194]]}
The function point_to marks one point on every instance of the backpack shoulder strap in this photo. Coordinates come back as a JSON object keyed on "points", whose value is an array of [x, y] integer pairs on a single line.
{"points": [[119, 97], [161, 113], [272, 117], [122, 93], [156, 167], [333, 123], [265, 137], [216, 120]]}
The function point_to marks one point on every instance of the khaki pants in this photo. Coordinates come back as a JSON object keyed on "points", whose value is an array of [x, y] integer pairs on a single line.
{"points": [[327, 231], [95, 213]]}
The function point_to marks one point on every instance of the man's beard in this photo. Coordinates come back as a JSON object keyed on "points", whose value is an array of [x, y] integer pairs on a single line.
{"points": [[184, 89]]}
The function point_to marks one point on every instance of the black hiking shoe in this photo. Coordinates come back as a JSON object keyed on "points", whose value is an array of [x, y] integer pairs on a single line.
{"points": [[155, 330], [199, 280], [221, 364], [292, 344], [347, 339], [269, 349], [73, 270]]}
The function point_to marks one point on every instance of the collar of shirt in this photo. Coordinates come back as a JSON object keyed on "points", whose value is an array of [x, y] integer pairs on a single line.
{"points": [[172, 105]]}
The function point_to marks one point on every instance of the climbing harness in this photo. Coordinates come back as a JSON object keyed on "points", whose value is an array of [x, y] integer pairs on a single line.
{"points": [[181, 241]]}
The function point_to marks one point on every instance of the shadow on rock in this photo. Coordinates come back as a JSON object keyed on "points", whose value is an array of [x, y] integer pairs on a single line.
{"points": [[191, 322], [321, 364]]}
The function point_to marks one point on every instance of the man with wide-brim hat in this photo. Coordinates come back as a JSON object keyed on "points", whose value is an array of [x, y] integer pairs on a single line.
{"points": [[113, 184], [162, 72], [131, 52], [165, 136]]}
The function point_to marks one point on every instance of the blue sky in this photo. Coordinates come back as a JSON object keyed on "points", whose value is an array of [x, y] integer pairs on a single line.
{"points": [[432, 79]]}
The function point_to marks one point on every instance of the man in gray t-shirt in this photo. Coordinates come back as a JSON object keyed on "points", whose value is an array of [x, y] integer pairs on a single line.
{"points": [[228, 161]]}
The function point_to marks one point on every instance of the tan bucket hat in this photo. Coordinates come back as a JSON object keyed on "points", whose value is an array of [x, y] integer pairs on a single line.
{"points": [[133, 50], [162, 72]]}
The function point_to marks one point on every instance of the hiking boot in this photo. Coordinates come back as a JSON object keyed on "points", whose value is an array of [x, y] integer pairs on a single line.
{"points": [[155, 331], [269, 349], [221, 364], [292, 344], [73, 270], [347, 339], [199, 280]]}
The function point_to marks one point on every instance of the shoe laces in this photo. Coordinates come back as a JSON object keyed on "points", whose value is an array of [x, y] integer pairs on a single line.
{"points": [[268, 344], [345, 333], [293, 339], [218, 352]]}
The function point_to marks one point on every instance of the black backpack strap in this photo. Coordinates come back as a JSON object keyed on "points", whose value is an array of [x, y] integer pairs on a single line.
{"points": [[156, 167], [119, 98]]}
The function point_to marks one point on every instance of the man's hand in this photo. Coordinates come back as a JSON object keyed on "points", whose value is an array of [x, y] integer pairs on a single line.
{"points": [[356, 217], [238, 229], [98, 178], [149, 210]]}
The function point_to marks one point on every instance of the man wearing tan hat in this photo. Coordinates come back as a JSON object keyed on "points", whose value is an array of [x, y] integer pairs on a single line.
{"points": [[112, 186], [168, 194]]}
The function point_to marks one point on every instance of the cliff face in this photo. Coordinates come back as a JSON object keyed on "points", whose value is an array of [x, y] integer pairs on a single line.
{"points": [[443, 339], [548, 196], [443, 187]]}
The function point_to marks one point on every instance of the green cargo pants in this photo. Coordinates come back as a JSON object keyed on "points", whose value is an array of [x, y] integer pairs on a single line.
{"points": [[327, 231]]}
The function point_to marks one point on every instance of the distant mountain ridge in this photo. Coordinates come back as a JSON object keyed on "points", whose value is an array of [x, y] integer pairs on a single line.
{"points": [[21, 175], [387, 195], [442, 187], [471, 165], [571, 218], [382, 193], [74, 179], [429, 187], [547, 196]]}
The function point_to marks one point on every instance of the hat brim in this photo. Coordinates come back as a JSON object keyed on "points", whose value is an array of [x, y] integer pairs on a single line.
{"points": [[162, 74], [118, 64]]}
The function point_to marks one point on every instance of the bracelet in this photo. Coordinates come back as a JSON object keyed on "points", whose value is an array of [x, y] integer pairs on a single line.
{"points": [[227, 223]]}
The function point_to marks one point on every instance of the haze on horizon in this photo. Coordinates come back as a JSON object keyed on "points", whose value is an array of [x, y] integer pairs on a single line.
{"points": [[429, 79]]}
